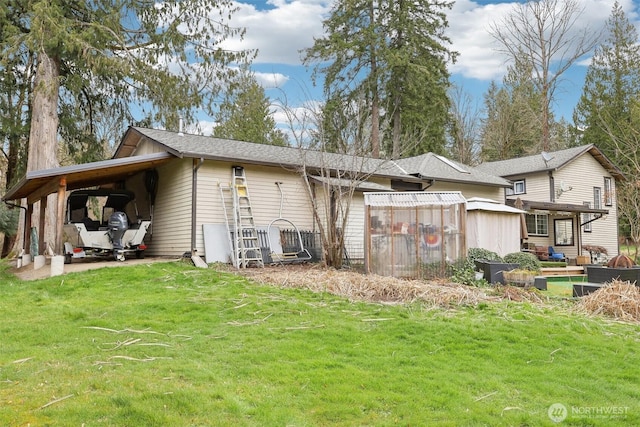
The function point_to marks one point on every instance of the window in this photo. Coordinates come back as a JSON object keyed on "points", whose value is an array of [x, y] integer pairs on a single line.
{"points": [[597, 198], [585, 219], [608, 191], [563, 229], [537, 225], [518, 188]]}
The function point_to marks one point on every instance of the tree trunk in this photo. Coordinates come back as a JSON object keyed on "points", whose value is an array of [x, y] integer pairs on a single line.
{"points": [[375, 100], [43, 137]]}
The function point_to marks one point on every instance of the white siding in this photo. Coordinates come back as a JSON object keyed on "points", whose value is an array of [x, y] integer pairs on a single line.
{"points": [[172, 212], [582, 175], [263, 194], [146, 147], [536, 188], [354, 229]]}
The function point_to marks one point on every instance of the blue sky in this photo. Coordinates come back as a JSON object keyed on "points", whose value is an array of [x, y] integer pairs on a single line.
{"points": [[280, 29]]}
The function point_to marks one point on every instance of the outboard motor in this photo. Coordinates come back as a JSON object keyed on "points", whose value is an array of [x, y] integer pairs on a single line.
{"points": [[118, 224]]}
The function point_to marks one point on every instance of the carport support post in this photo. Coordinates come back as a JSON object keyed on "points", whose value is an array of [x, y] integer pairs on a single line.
{"points": [[27, 228], [41, 223], [62, 192]]}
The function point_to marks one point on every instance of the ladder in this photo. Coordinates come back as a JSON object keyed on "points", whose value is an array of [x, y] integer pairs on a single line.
{"points": [[243, 235]]}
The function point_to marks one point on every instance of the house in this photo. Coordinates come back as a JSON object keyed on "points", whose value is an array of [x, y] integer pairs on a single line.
{"points": [[193, 170], [569, 196]]}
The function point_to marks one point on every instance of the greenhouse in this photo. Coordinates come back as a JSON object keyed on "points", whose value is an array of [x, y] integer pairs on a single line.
{"points": [[414, 234]]}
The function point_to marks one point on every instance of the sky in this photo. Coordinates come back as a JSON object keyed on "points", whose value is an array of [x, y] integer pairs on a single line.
{"points": [[281, 29]]}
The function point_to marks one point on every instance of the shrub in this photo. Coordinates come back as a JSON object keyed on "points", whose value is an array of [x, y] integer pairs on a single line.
{"points": [[8, 220], [464, 272], [526, 260], [476, 254]]}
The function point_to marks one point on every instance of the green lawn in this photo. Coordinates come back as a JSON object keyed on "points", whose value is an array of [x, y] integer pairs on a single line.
{"points": [[171, 345], [562, 286]]}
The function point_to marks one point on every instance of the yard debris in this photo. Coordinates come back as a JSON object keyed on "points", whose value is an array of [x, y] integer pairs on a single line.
{"points": [[46, 405], [518, 294], [619, 299], [371, 287]]}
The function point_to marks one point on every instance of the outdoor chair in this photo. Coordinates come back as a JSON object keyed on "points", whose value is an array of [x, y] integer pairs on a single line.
{"points": [[555, 256]]}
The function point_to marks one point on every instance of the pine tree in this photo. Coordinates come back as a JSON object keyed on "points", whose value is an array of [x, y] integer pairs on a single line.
{"points": [[392, 55], [512, 127], [612, 86], [245, 115]]}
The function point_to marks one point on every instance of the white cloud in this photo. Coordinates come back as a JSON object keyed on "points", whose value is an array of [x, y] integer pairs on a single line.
{"points": [[270, 80], [281, 31], [469, 24]]}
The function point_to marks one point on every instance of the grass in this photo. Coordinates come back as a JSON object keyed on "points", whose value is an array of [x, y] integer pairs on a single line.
{"points": [[172, 345], [562, 286]]}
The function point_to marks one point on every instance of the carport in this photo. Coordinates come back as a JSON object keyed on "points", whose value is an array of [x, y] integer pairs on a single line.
{"points": [[37, 185]]}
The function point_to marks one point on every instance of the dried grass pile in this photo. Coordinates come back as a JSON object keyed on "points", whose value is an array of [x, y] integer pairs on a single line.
{"points": [[372, 288], [620, 300], [519, 294]]}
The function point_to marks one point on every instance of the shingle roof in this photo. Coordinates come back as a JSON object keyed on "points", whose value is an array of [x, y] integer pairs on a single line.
{"points": [[554, 161], [433, 166], [197, 146], [425, 167]]}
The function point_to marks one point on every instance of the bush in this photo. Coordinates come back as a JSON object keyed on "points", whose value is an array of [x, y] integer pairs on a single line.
{"points": [[476, 254], [464, 272], [8, 220], [526, 260]]}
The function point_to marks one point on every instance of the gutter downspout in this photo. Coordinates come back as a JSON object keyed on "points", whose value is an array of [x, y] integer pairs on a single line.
{"points": [[194, 193]]}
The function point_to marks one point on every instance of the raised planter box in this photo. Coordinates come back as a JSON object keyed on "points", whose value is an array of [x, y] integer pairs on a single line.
{"points": [[493, 270], [582, 289], [601, 274], [540, 282]]}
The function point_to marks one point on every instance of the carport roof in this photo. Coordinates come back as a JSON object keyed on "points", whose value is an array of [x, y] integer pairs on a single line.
{"points": [[40, 183]]}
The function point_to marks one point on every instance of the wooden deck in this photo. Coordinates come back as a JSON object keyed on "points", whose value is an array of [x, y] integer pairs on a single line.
{"points": [[562, 271]]}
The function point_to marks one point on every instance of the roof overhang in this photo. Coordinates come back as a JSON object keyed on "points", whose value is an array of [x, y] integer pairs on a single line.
{"points": [[38, 184], [347, 183], [530, 205]]}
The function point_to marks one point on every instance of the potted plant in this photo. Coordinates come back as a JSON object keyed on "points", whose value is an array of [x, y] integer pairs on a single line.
{"points": [[527, 271]]}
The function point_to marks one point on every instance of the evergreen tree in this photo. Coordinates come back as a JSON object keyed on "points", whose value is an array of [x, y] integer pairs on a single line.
{"points": [[612, 86], [512, 127], [245, 115], [392, 55], [94, 59]]}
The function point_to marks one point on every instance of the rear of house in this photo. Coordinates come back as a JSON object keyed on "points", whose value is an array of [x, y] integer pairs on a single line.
{"points": [[189, 195], [569, 196]]}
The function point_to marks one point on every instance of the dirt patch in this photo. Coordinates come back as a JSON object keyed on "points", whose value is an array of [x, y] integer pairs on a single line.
{"points": [[29, 273]]}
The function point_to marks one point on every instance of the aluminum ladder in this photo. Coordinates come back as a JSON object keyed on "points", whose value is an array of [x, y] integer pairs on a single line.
{"points": [[246, 245]]}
